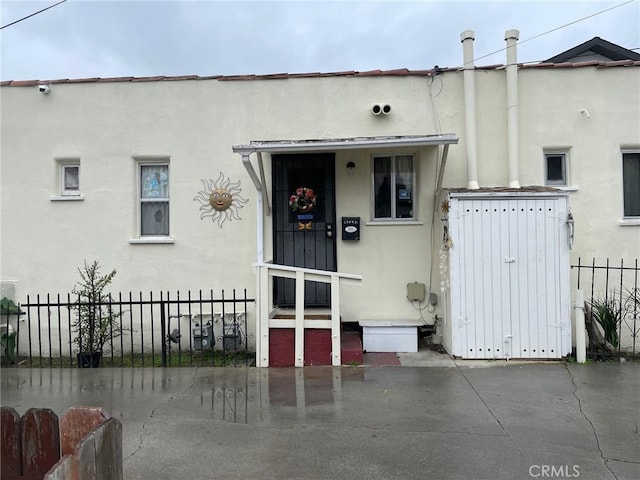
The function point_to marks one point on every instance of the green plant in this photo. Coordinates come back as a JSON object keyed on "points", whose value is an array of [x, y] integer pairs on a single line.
{"points": [[8, 338], [8, 342], [611, 311], [607, 313], [8, 307], [96, 320]]}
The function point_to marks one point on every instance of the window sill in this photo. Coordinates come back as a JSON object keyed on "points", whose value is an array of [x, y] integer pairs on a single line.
{"points": [[625, 222], [387, 223], [568, 188], [151, 240], [66, 198]]}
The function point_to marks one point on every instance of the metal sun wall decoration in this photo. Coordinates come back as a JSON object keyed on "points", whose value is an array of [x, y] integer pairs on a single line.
{"points": [[220, 200]]}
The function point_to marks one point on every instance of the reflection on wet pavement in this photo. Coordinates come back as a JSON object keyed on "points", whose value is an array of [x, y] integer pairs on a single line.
{"points": [[352, 422], [235, 395]]}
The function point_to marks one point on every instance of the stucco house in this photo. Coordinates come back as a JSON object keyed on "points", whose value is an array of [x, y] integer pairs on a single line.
{"points": [[449, 197]]}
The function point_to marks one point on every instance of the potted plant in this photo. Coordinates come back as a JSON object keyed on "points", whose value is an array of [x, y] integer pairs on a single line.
{"points": [[96, 322]]}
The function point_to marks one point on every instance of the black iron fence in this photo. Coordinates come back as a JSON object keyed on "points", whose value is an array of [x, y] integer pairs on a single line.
{"points": [[612, 297], [129, 330]]}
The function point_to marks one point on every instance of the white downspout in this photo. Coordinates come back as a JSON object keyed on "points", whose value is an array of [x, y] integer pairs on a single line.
{"points": [[467, 37], [260, 230], [260, 205], [511, 37]]}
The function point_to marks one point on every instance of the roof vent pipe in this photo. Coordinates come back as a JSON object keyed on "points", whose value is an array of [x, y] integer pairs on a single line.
{"points": [[511, 37], [467, 37]]}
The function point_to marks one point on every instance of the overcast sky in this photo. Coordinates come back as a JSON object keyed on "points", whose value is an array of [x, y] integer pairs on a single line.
{"points": [[103, 38]]}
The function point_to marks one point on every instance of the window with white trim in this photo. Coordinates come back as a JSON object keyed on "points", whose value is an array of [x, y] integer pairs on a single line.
{"points": [[555, 169], [153, 196], [631, 183], [69, 177], [393, 187]]}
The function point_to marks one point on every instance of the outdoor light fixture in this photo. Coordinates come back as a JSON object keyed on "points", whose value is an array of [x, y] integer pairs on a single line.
{"points": [[42, 88], [351, 168]]}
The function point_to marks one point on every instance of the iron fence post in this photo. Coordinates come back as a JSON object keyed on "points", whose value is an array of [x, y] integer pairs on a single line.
{"points": [[163, 333]]}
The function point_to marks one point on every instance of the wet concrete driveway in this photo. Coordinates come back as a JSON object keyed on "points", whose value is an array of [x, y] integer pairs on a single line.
{"points": [[507, 421]]}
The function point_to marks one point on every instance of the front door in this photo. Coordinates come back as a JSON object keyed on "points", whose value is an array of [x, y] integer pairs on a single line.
{"points": [[304, 237]]}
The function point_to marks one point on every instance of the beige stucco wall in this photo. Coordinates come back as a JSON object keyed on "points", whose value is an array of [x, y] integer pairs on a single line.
{"points": [[549, 104], [612, 98], [195, 123]]}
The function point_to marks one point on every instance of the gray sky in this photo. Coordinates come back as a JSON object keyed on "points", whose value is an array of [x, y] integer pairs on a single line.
{"points": [[91, 38]]}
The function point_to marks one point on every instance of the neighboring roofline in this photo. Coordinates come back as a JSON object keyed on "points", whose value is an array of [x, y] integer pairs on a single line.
{"points": [[333, 144], [284, 76], [525, 190], [598, 46]]}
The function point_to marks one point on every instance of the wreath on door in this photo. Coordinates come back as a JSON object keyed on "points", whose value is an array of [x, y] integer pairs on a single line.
{"points": [[303, 200]]}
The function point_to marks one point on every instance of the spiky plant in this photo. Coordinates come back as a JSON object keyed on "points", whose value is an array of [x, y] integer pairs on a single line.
{"points": [[96, 321]]}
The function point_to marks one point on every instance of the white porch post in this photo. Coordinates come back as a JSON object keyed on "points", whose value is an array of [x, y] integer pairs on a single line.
{"points": [[336, 354], [262, 317], [299, 322]]}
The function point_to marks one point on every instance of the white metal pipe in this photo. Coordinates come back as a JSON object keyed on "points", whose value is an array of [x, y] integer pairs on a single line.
{"points": [[467, 37], [581, 341], [511, 37]]}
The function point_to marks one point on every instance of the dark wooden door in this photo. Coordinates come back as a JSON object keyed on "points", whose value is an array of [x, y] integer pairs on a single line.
{"points": [[304, 239]]}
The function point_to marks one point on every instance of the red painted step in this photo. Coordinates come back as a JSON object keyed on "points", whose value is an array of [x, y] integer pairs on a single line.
{"points": [[351, 348]]}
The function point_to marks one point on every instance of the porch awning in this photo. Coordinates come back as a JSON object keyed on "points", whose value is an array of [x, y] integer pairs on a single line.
{"points": [[332, 144], [328, 145]]}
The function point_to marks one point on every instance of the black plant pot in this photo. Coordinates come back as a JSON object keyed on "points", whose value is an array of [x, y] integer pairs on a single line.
{"points": [[89, 360]]}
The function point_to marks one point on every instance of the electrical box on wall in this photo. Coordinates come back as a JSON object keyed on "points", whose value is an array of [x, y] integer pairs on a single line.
{"points": [[350, 228], [416, 292]]}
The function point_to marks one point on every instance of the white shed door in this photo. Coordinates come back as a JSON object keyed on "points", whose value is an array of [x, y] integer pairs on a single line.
{"points": [[509, 278]]}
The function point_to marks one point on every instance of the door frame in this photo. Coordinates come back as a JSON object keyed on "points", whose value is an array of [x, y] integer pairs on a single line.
{"points": [[314, 246]]}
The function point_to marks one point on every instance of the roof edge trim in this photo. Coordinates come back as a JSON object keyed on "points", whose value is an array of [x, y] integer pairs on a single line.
{"points": [[323, 145]]}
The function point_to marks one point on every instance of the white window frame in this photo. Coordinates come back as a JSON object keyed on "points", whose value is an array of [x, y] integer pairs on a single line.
{"points": [[565, 167], [627, 219], [64, 193], [155, 161], [393, 220]]}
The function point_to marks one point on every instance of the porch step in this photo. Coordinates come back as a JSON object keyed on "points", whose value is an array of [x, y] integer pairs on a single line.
{"points": [[351, 348], [309, 314]]}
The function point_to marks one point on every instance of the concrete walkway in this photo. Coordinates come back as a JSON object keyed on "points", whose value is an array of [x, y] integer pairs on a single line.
{"points": [[459, 421]]}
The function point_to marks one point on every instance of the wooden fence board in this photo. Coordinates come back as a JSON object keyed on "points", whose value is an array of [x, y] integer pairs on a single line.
{"points": [[40, 441], [63, 470], [10, 458], [85, 453], [76, 423], [30, 445], [108, 446]]}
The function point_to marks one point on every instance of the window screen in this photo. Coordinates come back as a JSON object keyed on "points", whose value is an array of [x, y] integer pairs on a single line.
{"points": [[393, 187], [154, 200], [631, 183]]}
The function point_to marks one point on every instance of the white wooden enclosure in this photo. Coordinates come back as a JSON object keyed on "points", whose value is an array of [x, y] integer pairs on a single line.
{"points": [[509, 274]]}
